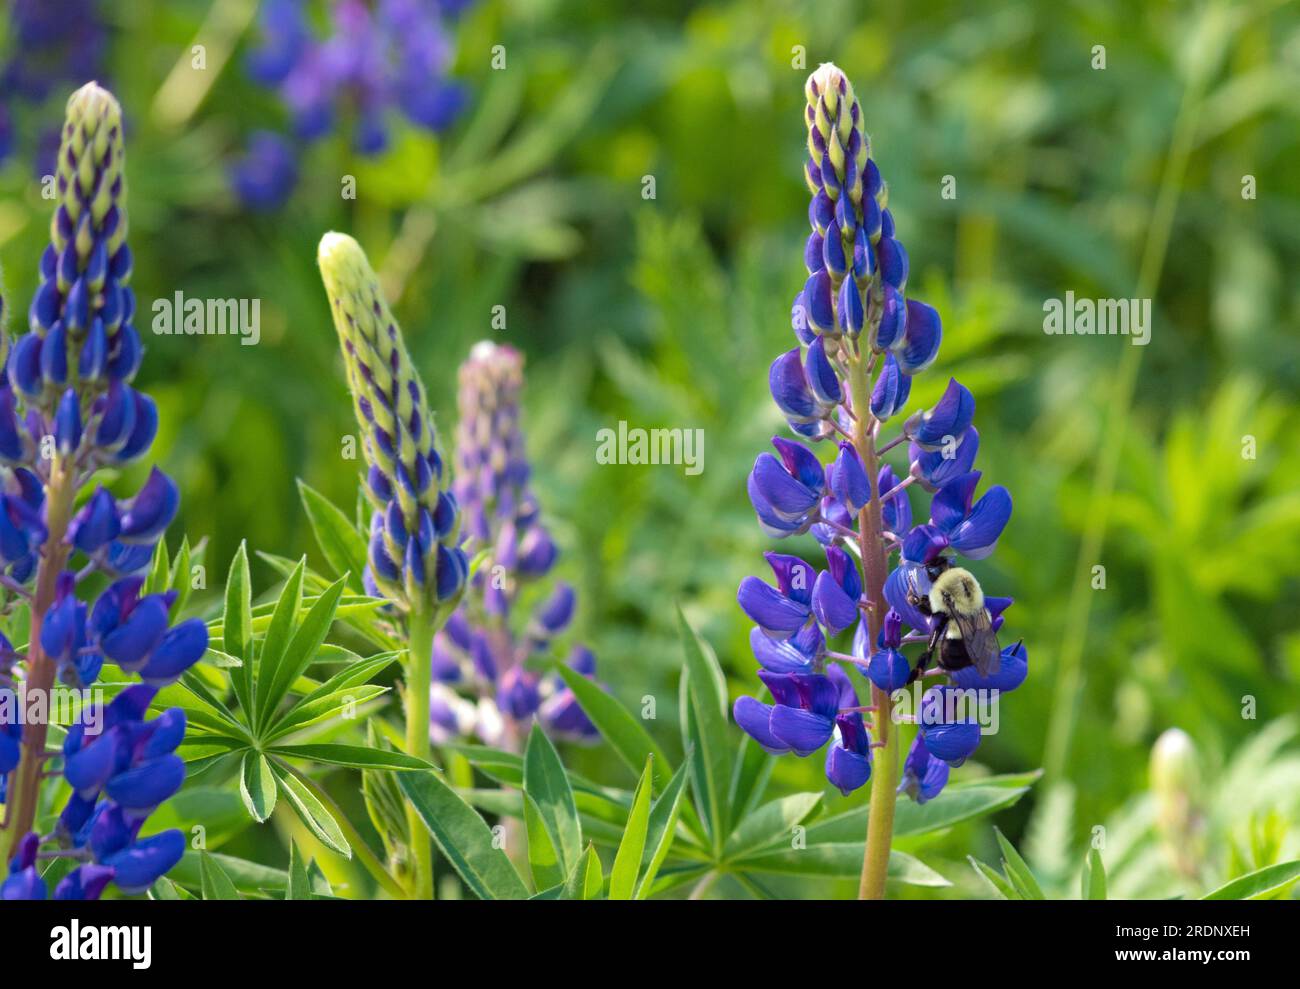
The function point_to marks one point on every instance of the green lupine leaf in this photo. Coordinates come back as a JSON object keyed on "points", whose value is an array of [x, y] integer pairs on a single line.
{"points": [[1017, 870], [257, 786], [164, 889], [954, 805], [237, 628], [1094, 876], [627, 861], [354, 756], [340, 543], [958, 802], [463, 837], [180, 577], [214, 884], [304, 715], [300, 651], [996, 882], [753, 767], [593, 880], [278, 634], [773, 823], [625, 734], [587, 879], [299, 885], [312, 812], [711, 768], [507, 803], [547, 784], [248, 877], [543, 859], [159, 578], [1258, 884], [840, 860], [662, 829], [354, 674]]}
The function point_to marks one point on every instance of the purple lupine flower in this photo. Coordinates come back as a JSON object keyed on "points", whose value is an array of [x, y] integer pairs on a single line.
{"points": [[379, 60], [264, 176], [859, 342], [69, 380], [486, 648], [53, 45]]}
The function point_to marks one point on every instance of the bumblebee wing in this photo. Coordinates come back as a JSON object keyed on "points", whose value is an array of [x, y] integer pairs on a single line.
{"points": [[980, 640]]}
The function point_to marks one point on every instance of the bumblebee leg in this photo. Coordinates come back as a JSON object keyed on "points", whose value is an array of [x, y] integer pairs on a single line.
{"points": [[936, 636]]}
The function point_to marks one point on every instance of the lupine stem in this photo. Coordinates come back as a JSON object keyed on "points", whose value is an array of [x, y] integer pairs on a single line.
{"points": [[40, 677], [418, 677], [884, 777]]}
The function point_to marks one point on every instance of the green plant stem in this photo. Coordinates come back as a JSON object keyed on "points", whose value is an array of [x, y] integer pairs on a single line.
{"points": [[880, 814], [359, 847], [25, 794], [418, 673]]}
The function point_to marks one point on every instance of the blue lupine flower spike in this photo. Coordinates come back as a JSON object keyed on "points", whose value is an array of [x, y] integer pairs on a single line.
{"points": [[69, 379], [860, 341]]}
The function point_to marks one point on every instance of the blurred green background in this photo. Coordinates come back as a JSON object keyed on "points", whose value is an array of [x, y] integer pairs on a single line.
{"points": [[1115, 182]]}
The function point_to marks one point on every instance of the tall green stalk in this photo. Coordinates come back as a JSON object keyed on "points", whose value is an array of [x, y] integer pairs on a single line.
{"points": [[418, 677]]}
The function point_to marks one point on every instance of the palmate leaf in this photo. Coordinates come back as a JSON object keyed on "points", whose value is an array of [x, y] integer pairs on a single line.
{"points": [[547, 785], [283, 620], [279, 671], [343, 547], [463, 837]]}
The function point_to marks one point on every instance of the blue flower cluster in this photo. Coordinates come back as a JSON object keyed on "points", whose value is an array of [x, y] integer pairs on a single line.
{"points": [[67, 410], [380, 59], [852, 318], [50, 45], [478, 653]]}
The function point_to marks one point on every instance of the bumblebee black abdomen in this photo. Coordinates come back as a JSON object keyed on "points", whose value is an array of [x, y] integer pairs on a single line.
{"points": [[953, 654]]}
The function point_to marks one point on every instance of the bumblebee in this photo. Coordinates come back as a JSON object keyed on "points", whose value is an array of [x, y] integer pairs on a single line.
{"points": [[962, 630]]}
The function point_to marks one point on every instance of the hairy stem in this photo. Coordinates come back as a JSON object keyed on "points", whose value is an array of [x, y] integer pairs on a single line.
{"points": [[25, 794], [418, 675], [880, 814]]}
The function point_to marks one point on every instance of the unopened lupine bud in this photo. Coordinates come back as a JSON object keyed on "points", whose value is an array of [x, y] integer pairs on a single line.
{"points": [[414, 557], [1176, 786]]}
